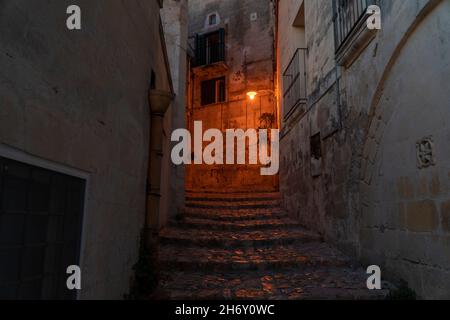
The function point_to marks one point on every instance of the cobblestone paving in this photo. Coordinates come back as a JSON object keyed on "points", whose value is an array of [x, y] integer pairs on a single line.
{"points": [[234, 247]]}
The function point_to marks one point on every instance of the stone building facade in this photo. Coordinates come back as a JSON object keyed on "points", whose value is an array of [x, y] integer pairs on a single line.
{"points": [[365, 139], [233, 53], [75, 134]]}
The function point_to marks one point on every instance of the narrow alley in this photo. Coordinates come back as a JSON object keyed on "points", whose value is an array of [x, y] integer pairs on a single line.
{"points": [[224, 149]]}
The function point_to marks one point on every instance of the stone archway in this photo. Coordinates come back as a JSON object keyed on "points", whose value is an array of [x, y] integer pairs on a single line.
{"points": [[405, 203]]}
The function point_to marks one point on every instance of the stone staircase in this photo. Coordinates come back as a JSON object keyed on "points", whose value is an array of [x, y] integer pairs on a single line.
{"points": [[242, 246]]}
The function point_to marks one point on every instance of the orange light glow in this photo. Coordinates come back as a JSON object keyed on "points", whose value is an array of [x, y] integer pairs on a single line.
{"points": [[252, 95]]}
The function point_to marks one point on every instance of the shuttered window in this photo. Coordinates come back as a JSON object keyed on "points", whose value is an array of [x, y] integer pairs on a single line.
{"points": [[213, 91], [210, 48]]}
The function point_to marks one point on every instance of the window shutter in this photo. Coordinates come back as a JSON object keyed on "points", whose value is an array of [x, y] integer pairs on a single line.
{"points": [[200, 52], [197, 50], [208, 94], [222, 44]]}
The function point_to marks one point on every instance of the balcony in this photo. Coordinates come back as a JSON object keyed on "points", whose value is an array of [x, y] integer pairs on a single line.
{"points": [[351, 34], [294, 83]]}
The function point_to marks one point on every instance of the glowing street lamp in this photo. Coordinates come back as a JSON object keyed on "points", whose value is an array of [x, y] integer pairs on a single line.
{"points": [[252, 95]]}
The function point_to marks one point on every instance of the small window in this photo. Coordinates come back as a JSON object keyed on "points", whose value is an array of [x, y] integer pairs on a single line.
{"points": [[213, 91], [316, 156], [212, 19], [316, 147]]}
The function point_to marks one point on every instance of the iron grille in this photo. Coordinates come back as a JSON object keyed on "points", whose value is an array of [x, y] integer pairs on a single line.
{"points": [[348, 14], [294, 82], [40, 231]]}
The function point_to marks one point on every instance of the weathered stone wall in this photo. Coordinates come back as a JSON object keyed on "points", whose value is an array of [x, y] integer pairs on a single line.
{"points": [[80, 99], [371, 197], [175, 21], [249, 66], [405, 203]]}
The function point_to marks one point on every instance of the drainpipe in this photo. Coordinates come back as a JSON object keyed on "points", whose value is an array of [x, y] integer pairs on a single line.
{"points": [[159, 103]]}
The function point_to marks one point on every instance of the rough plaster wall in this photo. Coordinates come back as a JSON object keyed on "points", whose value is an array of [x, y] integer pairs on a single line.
{"points": [[319, 202], [81, 99], [333, 203], [250, 67], [320, 41]]}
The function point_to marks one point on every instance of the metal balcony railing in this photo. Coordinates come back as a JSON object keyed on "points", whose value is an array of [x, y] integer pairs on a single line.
{"points": [[348, 15], [294, 82]]}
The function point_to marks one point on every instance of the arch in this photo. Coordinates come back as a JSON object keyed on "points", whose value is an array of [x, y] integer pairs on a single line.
{"points": [[375, 121], [212, 20], [400, 199]]}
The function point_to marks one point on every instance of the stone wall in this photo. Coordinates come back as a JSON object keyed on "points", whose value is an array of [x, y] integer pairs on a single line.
{"points": [[175, 21], [249, 66], [80, 99], [378, 117]]}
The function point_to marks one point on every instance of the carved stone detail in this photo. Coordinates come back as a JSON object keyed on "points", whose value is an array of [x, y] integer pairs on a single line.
{"points": [[425, 153]]}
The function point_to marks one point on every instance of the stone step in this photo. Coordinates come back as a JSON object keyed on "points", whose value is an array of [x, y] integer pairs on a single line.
{"points": [[230, 196], [233, 239], [316, 254], [239, 225], [233, 205], [232, 199], [243, 246], [234, 215], [325, 283]]}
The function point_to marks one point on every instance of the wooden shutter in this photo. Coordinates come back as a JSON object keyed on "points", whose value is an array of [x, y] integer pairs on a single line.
{"points": [[222, 44], [200, 52]]}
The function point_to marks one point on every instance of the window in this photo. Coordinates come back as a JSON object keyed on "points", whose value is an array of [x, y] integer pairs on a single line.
{"points": [[316, 155], [348, 17], [212, 21], [213, 91], [210, 48], [316, 147], [41, 215]]}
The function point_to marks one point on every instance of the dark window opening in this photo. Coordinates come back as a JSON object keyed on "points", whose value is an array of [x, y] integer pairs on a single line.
{"points": [[221, 89], [213, 91], [316, 147], [41, 215], [210, 48], [212, 19]]}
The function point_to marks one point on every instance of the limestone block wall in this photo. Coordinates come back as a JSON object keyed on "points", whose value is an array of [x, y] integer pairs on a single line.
{"points": [[405, 169], [249, 66], [377, 118], [80, 99]]}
